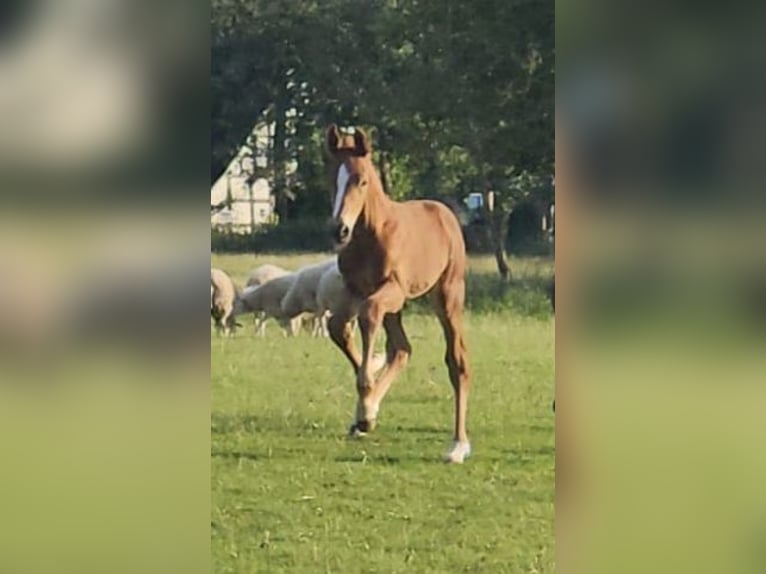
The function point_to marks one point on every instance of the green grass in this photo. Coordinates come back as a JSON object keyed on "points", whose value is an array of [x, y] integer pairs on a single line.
{"points": [[290, 493]]}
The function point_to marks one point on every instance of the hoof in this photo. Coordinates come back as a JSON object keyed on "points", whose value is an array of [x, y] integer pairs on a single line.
{"points": [[361, 428], [459, 452]]}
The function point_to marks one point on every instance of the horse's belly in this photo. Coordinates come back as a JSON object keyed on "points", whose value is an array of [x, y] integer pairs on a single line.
{"points": [[421, 270], [418, 288]]}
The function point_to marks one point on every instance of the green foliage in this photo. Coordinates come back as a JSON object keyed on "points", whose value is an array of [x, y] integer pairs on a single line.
{"points": [[459, 175], [459, 95], [402, 178]]}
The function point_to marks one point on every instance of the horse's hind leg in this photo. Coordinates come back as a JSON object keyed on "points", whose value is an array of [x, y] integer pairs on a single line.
{"points": [[448, 301], [398, 351]]}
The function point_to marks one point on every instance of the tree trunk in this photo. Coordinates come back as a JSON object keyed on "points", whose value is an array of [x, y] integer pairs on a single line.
{"points": [[499, 231]]}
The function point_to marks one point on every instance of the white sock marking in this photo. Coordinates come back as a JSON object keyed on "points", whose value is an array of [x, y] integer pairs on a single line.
{"points": [[459, 452]]}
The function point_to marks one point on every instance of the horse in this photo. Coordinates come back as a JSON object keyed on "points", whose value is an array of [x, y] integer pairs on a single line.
{"points": [[389, 252]]}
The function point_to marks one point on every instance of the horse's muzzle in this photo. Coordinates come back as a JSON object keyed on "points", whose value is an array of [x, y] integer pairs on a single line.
{"points": [[342, 233]]}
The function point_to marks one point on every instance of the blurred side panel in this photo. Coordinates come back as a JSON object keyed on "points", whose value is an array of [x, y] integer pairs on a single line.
{"points": [[104, 243], [662, 311]]}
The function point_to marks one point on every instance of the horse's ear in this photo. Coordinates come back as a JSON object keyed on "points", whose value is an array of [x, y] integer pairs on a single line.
{"points": [[362, 144], [333, 138]]}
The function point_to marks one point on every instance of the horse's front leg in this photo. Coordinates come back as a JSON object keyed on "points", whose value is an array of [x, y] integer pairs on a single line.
{"points": [[389, 298]]}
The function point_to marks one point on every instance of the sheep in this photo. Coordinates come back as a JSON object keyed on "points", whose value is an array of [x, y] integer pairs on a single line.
{"points": [[264, 274], [258, 276], [302, 296], [332, 295], [224, 295], [331, 292], [267, 299]]}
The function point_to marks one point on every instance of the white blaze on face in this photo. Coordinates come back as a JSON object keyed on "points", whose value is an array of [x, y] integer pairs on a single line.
{"points": [[340, 190]]}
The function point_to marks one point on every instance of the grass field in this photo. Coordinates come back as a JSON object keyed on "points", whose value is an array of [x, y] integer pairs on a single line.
{"points": [[290, 493]]}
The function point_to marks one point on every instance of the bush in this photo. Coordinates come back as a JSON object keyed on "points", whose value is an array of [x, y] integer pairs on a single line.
{"points": [[488, 293], [314, 235], [298, 235]]}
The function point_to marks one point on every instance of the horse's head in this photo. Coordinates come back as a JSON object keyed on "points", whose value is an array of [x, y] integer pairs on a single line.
{"points": [[352, 181]]}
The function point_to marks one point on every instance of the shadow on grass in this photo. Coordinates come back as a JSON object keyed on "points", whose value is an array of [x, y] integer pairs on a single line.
{"points": [[295, 426], [360, 458], [423, 430], [382, 460], [234, 455], [540, 451]]}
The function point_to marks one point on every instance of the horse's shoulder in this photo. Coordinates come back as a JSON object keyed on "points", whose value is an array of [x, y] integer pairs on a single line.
{"points": [[413, 206], [429, 204]]}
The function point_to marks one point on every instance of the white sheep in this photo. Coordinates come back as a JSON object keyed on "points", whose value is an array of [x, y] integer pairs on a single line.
{"points": [[265, 273], [224, 295], [266, 299], [332, 294], [258, 276], [302, 296]]}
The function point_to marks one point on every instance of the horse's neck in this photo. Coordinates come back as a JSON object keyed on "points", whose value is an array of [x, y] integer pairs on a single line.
{"points": [[377, 208]]}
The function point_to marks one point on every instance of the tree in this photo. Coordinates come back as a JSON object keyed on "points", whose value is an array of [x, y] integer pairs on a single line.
{"points": [[458, 96]]}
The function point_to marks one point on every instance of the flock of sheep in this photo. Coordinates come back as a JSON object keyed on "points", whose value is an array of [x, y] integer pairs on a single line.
{"points": [[289, 297]]}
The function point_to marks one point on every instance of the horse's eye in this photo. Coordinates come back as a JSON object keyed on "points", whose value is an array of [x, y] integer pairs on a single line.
{"points": [[363, 183]]}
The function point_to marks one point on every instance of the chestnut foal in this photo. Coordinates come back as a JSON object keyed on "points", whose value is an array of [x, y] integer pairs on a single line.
{"points": [[389, 252]]}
